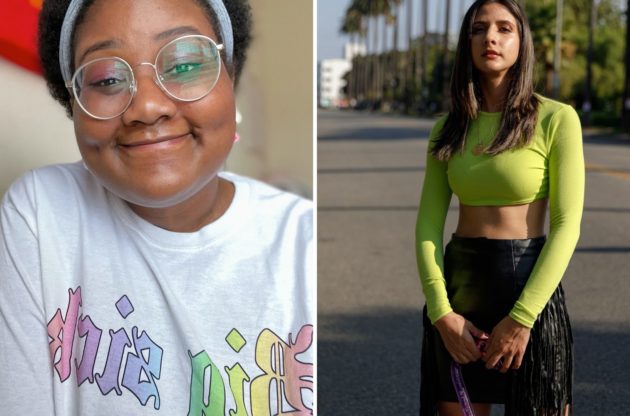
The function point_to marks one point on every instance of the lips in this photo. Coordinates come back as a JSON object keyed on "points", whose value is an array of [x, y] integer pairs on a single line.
{"points": [[155, 147], [491, 54], [146, 142]]}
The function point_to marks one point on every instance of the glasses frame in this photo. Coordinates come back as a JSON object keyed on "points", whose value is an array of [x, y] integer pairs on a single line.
{"points": [[133, 86]]}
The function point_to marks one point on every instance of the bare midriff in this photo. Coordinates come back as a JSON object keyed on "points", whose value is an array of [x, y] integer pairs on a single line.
{"points": [[502, 222]]}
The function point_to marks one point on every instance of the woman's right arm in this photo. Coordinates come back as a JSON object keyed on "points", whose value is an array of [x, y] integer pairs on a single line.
{"points": [[456, 332], [25, 371], [434, 203]]}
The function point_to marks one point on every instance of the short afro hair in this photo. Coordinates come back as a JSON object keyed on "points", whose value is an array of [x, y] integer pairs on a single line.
{"points": [[49, 33]]}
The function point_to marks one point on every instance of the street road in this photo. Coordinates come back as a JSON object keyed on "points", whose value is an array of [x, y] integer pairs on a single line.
{"points": [[370, 171]]}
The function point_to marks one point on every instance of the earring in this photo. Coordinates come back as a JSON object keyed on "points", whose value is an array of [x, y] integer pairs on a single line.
{"points": [[237, 137]]}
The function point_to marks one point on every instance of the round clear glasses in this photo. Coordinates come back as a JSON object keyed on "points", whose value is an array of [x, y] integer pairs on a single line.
{"points": [[186, 69]]}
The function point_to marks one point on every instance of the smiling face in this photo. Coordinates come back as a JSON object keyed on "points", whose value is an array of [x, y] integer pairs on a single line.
{"points": [[160, 152], [495, 41]]}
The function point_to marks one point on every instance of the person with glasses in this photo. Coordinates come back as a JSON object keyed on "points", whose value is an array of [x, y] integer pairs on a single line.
{"points": [[495, 319], [144, 279]]}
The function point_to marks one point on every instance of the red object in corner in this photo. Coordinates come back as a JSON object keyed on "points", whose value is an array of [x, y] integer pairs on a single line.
{"points": [[18, 32]]}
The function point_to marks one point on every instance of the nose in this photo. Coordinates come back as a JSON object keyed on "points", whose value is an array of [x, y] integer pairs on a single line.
{"points": [[491, 36], [149, 103]]}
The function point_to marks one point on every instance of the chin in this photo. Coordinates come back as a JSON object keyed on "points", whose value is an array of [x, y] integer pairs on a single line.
{"points": [[161, 194]]}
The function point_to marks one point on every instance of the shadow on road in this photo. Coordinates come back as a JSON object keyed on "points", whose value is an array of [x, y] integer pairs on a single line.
{"points": [[368, 364], [377, 133], [608, 139], [385, 169], [603, 250], [610, 210]]}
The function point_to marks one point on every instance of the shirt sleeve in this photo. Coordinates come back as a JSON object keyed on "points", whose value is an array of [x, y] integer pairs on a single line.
{"points": [[434, 203], [566, 201], [25, 369]]}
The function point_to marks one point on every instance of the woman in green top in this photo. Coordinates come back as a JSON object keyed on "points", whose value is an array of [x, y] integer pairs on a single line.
{"points": [[506, 153]]}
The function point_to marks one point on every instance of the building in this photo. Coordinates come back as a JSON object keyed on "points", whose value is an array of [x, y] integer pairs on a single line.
{"points": [[330, 73]]}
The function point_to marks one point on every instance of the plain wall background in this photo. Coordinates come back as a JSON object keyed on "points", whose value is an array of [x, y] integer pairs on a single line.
{"points": [[274, 97]]}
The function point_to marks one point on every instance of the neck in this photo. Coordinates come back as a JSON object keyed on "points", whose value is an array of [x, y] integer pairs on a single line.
{"points": [[494, 92], [203, 208]]}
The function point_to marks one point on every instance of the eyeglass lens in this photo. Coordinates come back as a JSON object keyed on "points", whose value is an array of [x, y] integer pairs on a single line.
{"points": [[187, 69]]}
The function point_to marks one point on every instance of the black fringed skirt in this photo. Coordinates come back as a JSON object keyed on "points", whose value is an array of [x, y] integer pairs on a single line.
{"points": [[484, 278]]}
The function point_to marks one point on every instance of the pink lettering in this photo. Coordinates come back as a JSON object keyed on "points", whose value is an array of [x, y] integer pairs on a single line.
{"points": [[61, 331]]}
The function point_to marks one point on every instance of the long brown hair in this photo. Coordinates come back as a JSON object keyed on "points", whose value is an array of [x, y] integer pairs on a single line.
{"points": [[520, 113]]}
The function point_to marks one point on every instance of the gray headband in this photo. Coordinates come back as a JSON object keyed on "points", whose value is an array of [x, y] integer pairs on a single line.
{"points": [[69, 21]]}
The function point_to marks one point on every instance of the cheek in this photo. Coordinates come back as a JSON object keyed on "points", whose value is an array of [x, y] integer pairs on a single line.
{"points": [[214, 123], [91, 133], [513, 46], [475, 45], [216, 116], [475, 51]]}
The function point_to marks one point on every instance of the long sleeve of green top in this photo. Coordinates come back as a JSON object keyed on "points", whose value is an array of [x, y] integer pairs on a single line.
{"points": [[434, 203], [551, 166]]}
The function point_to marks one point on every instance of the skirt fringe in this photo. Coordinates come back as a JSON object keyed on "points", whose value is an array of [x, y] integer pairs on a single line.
{"points": [[541, 387], [543, 384]]}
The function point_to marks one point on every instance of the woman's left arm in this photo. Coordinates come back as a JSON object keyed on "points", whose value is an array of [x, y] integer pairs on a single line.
{"points": [[566, 201]]}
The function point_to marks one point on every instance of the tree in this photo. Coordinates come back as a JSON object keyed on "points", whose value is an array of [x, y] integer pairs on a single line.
{"points": [[625, 121], [352, 25], [608, 48], [356, 20], [423, 53], [446, 91], [392, 58], [542, 18], [380, 11]]}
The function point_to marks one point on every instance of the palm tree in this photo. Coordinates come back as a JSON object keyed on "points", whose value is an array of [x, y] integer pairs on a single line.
{"points": [[422, 53], [356, 20], [625, 120], [362, 19], [388, 52], [395, 6], [379, 10], [445, 61], [408, 71], [557, 55], [353, 25], [586, 107], [542, 17]]}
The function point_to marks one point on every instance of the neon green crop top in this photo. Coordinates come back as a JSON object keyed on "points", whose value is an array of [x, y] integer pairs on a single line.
{"points": [[551, 166]]}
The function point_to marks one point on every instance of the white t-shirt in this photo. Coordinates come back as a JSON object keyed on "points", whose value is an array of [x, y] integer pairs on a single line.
{"points": [[103, 313]]}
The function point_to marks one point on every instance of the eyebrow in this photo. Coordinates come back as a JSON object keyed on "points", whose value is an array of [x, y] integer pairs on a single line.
{"points": [[180, 30], [501, 22], [105, 44], [97, 47]]}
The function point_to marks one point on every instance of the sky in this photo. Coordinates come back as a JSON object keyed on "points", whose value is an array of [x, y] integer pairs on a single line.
{"points": [[329, 40]]}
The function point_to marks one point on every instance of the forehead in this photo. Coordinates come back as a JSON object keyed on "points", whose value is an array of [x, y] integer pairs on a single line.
{"points": [[493, 12], [138, 22]]}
